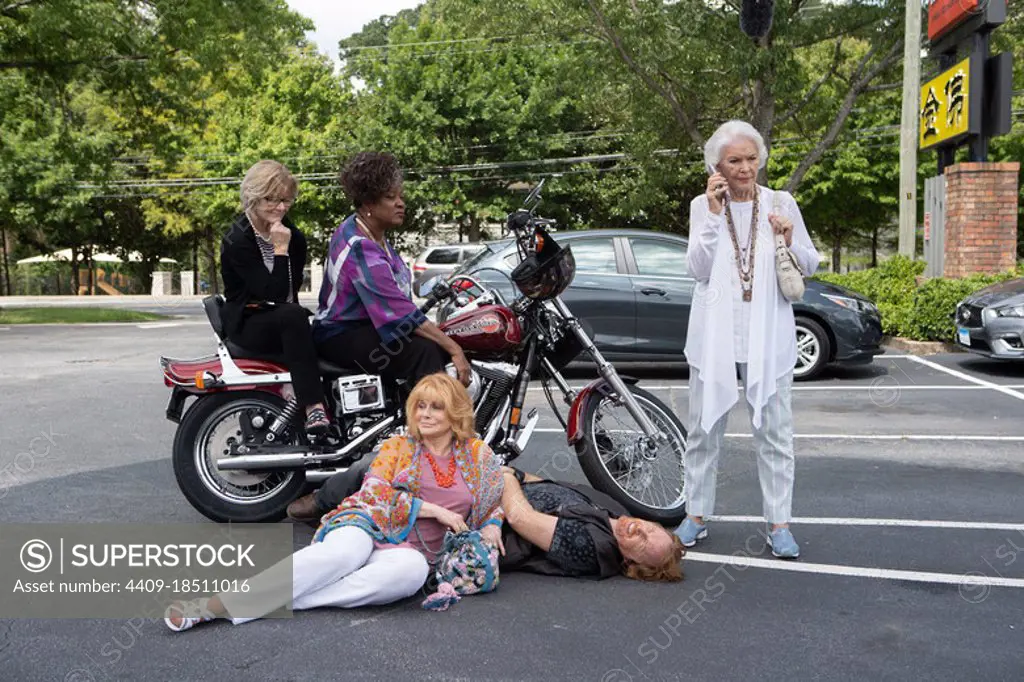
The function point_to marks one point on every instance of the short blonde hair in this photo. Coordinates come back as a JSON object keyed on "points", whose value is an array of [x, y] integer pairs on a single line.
{"points": [[728, 133], [267, 179], [452, 395]]}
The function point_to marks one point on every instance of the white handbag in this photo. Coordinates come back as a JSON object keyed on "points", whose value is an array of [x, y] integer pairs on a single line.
{"points": [[791, 279]]}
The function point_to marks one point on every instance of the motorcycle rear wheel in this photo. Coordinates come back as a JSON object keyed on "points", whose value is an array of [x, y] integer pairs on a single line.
{"points": [[209, 428], [650, 484]]}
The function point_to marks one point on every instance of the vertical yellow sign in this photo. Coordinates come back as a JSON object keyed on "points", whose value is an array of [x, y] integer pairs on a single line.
{"points": [[945, 111]]}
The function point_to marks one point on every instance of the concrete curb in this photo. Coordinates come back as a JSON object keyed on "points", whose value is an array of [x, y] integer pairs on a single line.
{"points": [[902, 345]]}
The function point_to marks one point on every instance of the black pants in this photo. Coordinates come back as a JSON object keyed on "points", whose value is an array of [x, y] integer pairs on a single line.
{"points": [[361, 348], [339, 486], [285, 330]]}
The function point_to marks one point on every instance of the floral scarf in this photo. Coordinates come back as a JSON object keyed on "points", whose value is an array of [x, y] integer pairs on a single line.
{"points": [[388, 503]]}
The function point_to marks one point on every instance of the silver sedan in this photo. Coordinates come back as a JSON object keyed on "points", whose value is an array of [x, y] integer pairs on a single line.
{"points": [[990, 322]]}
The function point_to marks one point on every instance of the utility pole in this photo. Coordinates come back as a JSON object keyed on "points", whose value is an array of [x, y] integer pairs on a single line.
{"points": [[908, 129]]}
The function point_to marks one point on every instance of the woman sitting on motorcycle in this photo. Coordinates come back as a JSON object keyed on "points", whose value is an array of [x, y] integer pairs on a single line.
{"points": [[375, 548], [366, 318], [262, 258]]}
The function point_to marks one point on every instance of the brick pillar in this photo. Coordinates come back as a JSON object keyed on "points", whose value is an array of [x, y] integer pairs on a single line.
{"points": [[981, 218]]}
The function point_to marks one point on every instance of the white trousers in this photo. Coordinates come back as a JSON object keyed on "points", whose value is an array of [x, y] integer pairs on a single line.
{"points": [[773, 441], [344, 571]]}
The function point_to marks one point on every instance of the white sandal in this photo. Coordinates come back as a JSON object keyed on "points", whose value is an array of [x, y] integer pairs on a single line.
{"points": [[192, 613]]}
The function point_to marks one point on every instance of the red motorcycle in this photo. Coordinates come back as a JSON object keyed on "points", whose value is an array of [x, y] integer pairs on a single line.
{"points": [[240, 453]]}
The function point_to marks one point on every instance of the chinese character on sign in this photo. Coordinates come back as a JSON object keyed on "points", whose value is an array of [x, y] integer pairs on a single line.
{"points": [[930, 113], [955, 95]]}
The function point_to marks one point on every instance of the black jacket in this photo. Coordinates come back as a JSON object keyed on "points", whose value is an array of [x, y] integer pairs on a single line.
{"points": [[246, 279], [521, 555]]}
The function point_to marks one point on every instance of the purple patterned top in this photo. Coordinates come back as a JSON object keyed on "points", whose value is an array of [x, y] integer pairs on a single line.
{"points": [[363, 282]]}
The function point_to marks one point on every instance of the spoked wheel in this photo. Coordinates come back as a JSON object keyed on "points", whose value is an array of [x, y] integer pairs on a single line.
{"points": [[210, 431], [619, 459]]}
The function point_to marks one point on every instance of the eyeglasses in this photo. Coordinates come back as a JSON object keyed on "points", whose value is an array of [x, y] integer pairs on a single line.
{"points": [[271, 202]]}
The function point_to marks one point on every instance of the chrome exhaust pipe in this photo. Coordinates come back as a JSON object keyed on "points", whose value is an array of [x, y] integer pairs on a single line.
{"points": [[321, 475], [301, 459]]}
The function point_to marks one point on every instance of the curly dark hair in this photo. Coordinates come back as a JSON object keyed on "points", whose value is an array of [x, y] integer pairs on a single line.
{"points": [[368, 176]]}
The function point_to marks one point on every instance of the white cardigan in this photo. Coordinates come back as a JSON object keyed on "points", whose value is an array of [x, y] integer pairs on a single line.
{"points": [[771, 335]]}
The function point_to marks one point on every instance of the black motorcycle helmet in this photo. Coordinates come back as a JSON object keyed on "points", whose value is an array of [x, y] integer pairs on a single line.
{"points": [[548, 272]]}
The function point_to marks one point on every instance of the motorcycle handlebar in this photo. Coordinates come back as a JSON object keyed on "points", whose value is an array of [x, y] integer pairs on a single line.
{"points": [[440, 292]]}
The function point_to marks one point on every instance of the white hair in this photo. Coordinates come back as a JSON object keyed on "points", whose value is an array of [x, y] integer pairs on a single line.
{"points": [[728, 133]]}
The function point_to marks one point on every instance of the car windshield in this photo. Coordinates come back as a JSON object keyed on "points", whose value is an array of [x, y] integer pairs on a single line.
{"points": [[470, 264]]}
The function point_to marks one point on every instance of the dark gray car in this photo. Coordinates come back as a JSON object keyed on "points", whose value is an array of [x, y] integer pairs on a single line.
{"points": [[990, 322], [632, 289]]}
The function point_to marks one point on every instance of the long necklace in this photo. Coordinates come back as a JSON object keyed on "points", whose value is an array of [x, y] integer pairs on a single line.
{"points": [[257, 232], [745, 261], [366, 230], [445, 479]]}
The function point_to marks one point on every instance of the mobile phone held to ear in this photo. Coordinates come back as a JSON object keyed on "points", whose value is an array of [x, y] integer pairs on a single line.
{"points": [[722, 190]]}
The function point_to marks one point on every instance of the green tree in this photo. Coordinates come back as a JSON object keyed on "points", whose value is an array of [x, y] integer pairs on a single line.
{"points": [[296, 112], [688, 67]]}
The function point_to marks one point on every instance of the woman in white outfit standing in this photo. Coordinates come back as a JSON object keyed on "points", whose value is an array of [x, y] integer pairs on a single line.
{"points": [[740, 320]]}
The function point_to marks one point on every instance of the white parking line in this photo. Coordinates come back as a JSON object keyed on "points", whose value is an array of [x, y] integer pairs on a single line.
{"points": [[899, 523], [967, 377], [869, 436], [832, 387], [856, 571], [892, 436]]}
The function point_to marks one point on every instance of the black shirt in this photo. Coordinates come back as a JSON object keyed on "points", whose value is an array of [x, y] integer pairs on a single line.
{"points": [[583, 544]]}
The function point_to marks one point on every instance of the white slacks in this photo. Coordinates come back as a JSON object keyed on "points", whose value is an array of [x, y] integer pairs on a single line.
{"points": [[773, 441], [344, 571]]}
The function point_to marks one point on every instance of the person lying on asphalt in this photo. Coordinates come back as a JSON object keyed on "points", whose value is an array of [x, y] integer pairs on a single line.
{"points": [[551, 527], [564, 529], [377, 545]]}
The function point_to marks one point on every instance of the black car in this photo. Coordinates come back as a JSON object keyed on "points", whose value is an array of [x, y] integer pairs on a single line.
{"points": [[632, 289], [990, 322]]}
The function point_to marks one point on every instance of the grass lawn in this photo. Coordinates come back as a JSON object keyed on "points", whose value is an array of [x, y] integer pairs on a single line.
{"points": [[72, 315]]}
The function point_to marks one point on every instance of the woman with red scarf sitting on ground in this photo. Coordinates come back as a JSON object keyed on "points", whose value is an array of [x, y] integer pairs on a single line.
{"points": [[377, 546]]}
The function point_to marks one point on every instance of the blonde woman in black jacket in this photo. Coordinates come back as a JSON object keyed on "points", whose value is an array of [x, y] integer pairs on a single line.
{"points": [[262, 260]]}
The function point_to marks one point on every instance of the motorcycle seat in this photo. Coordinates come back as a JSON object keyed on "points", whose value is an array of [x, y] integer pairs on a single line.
{"points": [[213, 306], [328, 370]]}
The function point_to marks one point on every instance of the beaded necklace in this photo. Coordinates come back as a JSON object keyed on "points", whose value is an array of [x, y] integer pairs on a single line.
{"points": [[745, 260]]}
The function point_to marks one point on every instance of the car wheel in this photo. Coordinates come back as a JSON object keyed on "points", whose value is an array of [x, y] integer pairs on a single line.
{"points": [[813, 349]]}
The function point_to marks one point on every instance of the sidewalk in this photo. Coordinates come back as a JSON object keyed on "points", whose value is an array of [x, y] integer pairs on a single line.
{"points": [[194, 303]]}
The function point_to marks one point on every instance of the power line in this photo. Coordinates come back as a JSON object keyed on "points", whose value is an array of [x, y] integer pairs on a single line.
{"points": [[451, 41]]}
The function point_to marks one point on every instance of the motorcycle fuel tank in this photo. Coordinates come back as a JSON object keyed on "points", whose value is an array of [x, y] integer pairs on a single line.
{"points": [[488, 330]]}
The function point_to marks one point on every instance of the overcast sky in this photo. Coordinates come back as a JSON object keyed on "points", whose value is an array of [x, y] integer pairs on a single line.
{"points": [[337, 19]]}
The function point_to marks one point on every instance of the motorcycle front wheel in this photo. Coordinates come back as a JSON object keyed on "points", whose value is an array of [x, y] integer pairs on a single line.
{"points": [[619, 459], [207, 433]]}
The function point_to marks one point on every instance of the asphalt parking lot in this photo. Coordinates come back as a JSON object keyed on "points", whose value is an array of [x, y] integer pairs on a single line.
{"points": [[908, 505]]}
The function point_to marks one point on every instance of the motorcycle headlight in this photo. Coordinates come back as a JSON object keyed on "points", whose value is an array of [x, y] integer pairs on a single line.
{"points": [[1011, 311]]}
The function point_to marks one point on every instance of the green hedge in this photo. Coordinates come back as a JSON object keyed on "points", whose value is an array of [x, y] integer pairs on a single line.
{"points": [[920, 312]]}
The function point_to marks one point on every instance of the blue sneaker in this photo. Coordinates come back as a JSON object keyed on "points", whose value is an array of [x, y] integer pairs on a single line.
{"points": [[783, 544], [690, 532]]}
